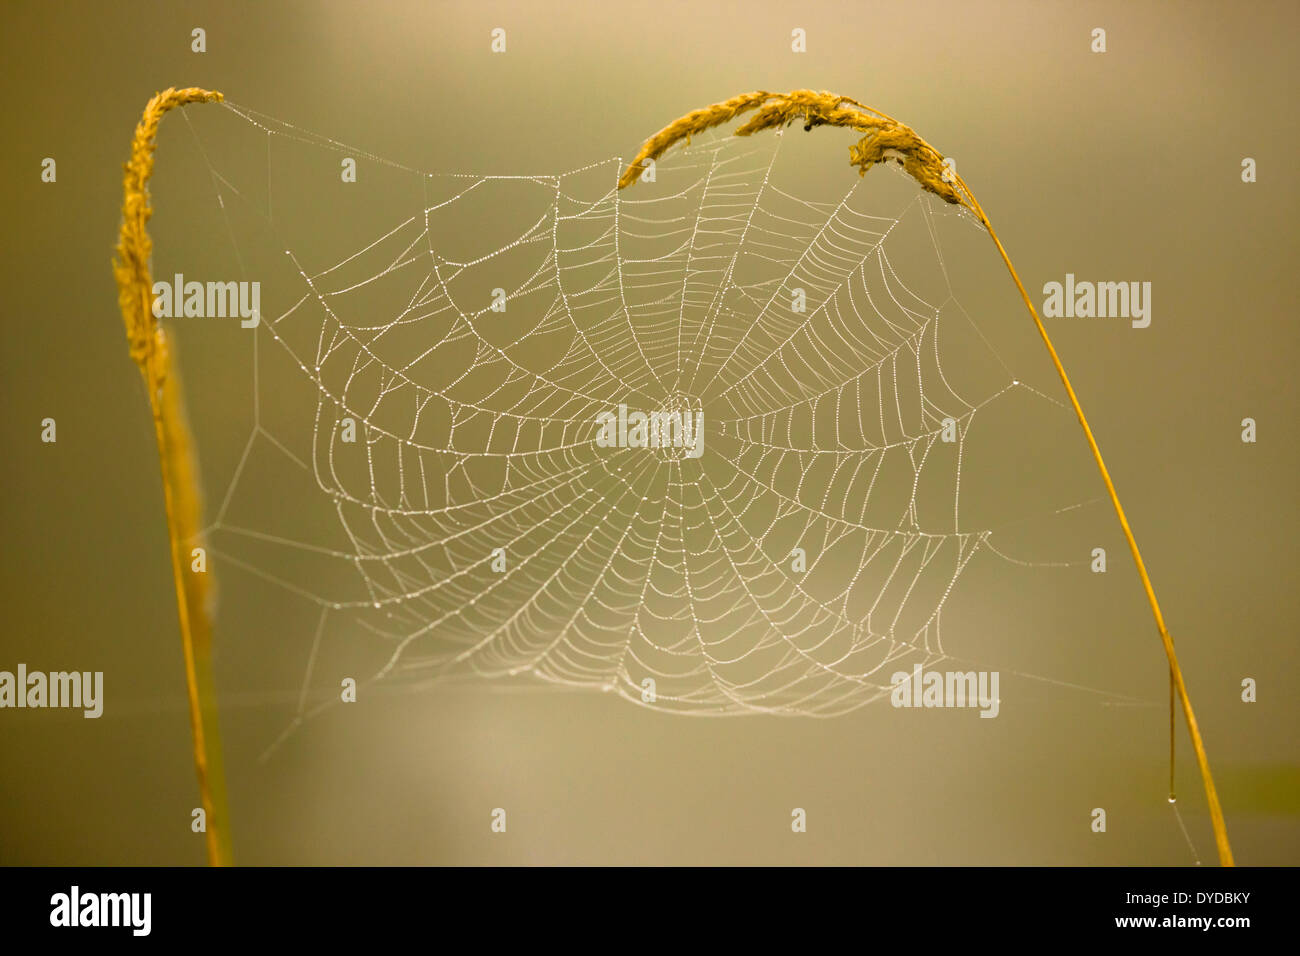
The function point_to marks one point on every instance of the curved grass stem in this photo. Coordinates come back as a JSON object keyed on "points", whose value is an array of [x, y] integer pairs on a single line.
{"points": [[1175, 672], [887, 140], [153, 355]]}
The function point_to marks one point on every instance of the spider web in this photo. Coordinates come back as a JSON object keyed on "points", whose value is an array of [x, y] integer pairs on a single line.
{"points": [[475, 526]]}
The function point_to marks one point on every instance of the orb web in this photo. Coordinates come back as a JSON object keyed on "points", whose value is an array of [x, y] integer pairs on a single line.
{"points": [[435, 379]]}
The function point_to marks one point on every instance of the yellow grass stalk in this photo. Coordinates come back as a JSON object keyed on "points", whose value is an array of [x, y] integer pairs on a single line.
{"points": [[886, 139], [153, 354]]}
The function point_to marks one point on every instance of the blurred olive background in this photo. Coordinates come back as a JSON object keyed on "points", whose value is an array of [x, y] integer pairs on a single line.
{"points": [[1117, 166]]}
